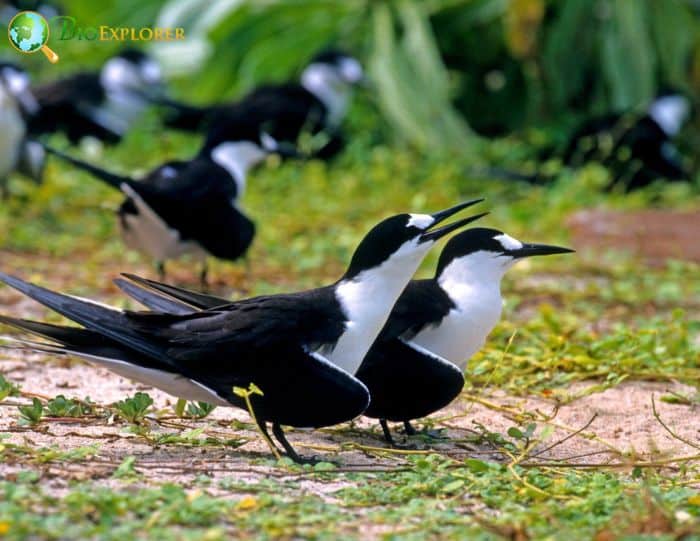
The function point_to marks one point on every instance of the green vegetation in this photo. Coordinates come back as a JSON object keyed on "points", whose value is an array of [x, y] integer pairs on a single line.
{"points": [[597, 320], [573, 326], [429, 498]]}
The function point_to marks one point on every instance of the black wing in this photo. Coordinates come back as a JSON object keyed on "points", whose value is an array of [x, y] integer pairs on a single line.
{"points": [[238, 331], [281, 111], [310, 319], [423, 303], [166, 298], [67, 105], [84, 87], [163, 176], [198, 202], [259, 340]]}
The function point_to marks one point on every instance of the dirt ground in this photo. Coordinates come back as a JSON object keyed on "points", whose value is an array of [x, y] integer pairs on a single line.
{"points": [[622, 419], [653, 234], [615, 427]]}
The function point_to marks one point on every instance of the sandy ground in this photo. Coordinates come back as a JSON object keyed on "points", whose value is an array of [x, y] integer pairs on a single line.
{"points": [[654, 234], [615, 427], [622, 419]]}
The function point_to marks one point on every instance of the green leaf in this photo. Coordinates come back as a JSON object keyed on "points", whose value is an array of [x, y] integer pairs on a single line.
{"points": [[476, 465], [126, 468], [673, 31], [134, 409], [324, 466], [31, 414], [453, 485], [60, 406], [515, 432], [7, 388], [199, 410], [575, 23], [412, 82], [254, 389], [180, 407], [628, 57]]}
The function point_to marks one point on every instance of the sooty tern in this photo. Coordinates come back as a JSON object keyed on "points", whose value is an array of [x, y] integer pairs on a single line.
{"points": [[187, 207], [100, 104], [300, 349], [637, 149], [417, 363], [17, 153], [317, 104]]}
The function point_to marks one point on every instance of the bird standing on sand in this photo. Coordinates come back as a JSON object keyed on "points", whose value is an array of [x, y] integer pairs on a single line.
{"points": [[188, 207], [416, 366], [300, 349], [101, 104], [317, 104]]}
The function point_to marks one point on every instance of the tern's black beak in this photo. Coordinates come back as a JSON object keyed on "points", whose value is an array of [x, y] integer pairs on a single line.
{"points": [[436, 234], [529, 250], [442, 215]]}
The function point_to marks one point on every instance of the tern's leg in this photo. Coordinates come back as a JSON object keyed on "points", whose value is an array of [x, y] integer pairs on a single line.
{"points": [[387, 433], [203, 275], [291, 453], [390, 439], [160, 268], [262, 425]]}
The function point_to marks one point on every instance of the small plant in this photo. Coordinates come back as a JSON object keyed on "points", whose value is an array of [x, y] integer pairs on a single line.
{"points": [[134, 409], [61, 406], [126, 469], [522, 435], [199, 410], [195, 410], [7, 388], [31, 415], [245, 394]]}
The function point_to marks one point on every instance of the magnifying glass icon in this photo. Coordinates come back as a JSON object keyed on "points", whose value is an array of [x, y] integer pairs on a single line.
{"points": [[29, 32]]}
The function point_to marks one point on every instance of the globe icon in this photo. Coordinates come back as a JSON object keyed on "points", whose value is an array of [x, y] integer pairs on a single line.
{"points": [[28, 32]]}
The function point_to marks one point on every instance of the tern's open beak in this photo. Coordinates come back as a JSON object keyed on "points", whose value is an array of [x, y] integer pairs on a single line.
{"points": [[442, 215], [529, 250], [436, 234]]}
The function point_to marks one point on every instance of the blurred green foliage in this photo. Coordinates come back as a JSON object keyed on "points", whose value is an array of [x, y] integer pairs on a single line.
{"points": [[504, 65]]}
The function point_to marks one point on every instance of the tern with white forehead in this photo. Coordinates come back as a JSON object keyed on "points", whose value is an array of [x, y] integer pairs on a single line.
{"points": [[638, 149], [416, 365], [102, 104], [316, 104], [301, 349], [189, 207]]}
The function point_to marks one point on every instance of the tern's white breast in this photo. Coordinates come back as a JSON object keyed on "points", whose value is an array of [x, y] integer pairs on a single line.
{"points": [[465, 328]]}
